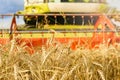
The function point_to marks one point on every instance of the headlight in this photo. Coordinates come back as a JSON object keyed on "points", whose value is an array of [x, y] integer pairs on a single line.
{"points": [[34, 9]]}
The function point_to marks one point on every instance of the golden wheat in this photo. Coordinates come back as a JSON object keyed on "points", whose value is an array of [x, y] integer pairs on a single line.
{"points": [[59, 63]]}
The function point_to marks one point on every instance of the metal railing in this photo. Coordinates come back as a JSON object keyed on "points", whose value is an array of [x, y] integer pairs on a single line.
{"points": [[82, 17]]}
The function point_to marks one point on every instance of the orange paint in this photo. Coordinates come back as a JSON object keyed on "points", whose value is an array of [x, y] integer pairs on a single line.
{"points": [[87, 42]]}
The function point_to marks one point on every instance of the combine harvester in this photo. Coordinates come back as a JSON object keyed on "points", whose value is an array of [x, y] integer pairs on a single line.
{"points": [[74, 22]]}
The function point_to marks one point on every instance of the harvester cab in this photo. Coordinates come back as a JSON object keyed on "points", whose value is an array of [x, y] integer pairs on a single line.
{"points": [[33, 10]]}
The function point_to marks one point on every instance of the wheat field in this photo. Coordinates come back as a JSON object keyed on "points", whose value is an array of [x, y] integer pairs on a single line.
{"points": [[59, 63]]}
